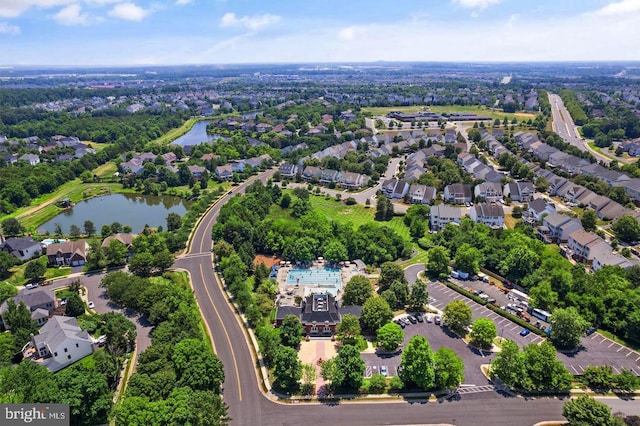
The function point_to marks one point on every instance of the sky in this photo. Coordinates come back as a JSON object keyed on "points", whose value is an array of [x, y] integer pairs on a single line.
{"points": [[168, 32]]}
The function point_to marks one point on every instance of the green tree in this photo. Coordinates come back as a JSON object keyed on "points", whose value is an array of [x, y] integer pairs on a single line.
{"points": [[7, 261], [291, 331], [508, 365], [468, 258], [116, 253], [105, 231], [586, 411], [438, 261], [384, 209], [351, 366], [299, 208], [269, 340], [163, 260], [74, 306], [89, 228], [543, 296], [11, 227], [375, 313], [543, 371], [458, 315], [287, 368], [141, 264], [121, 333], [335, 251], [483, 332], [449, 369], [174, 222], [419, 296], [627, 228], [626, 381], [196, 366], [7, 290], [86, 392], [589, 220], [74, 231], [599, 378], [96, 258], [34, 270], [389, 273], [308, 378], [7, 349], [568, 327], [377, 383], [357, 291], [390, 336], [417, 363], [332, 375], [401, 292], [348, 329]]}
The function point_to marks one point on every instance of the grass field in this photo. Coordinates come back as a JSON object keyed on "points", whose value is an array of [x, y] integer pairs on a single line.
{"points": [[17, 272], [480, 110]]}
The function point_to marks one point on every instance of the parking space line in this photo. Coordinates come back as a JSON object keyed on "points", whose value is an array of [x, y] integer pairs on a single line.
{"points": [[574, 369], [594, 336], [613, 343], [621, 348], [630, 352], [603, 339], [514, 327], [615, 370], [503, 320], [637, 359]]}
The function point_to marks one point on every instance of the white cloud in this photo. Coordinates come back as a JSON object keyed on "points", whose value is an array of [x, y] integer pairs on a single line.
{"points": [[72, 15], [129, 12], [351, 33], [6, 28], [15, 8], [183, 2], [250, 23], [619, 8], [476, 4]]}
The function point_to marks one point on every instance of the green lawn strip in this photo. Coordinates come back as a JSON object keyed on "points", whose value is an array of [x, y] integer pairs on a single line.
{"points": [[476, 109], [17, 272]]}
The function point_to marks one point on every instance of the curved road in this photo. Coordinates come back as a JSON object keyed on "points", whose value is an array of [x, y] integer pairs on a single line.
{"points": [[249, 406]]}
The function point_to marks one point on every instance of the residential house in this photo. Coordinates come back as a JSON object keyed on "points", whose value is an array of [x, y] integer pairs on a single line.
{"points": [[69, 253], [560, 227], [41, 302], [611, 211], [319, 314], [24, 248], [328, 176], [422, 194], [60, 343], [224, 172], [388, 186], [401, 189], [582, 244], [197, 171], [133, 166], [603, 255], [442, 214], [491, 214], [540, 207], [288, 170], [458, 193], [263, 127], [238, 165], [354, 181], [30, 159], [491, 192], [169, 158], [125, 239], [209, 157], [519, 191], [311, 173]]}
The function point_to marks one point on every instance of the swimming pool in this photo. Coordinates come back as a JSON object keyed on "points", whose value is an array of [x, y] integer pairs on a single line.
{"points": [[321, 277]]}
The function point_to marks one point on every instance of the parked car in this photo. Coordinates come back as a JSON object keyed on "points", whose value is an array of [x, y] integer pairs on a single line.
{"points": [[419, 318], [437, 319], [524, 332], [384, 371], [400, 323], [590, 331], [91, 305], [412, 319]]}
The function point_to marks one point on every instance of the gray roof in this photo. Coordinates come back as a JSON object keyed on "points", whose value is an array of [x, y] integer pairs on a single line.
{"points": [[59, 328], [489, 210], [32, 297], [20, 243]]}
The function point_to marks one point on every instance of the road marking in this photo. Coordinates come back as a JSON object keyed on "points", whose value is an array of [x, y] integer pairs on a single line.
{"points": [[613, 343], [621, 348], [515, 327], [574, 369], [637, 359], [594, 336], [233, 353], [503, 320], [629, 353]]}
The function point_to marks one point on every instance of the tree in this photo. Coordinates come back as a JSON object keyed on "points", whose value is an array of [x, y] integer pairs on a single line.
{"points": [[468, 258], [34, 270], [6, 262], [438, 261], [483, 332], [121, 333], [589, 220], [141, 264], [419, 296], [599, 378], [291, 331], [389, 273], [105, 231], [11, 227], [417, 363], [331, 374], [287, 368], [384, 209], [7, 290], [269, 340], [568, 326], [116, 253], [96, 258], [627, 228], [401, 293], [74, 306], [348, 330], [390, 336], [163, 260], [335, 251], [357, 291], [458, 315], [299, 208], [586, 411], [89, 228], [543, 371], [508, 364], [196, 366], [375, 313], [626, 381], [74, 231], [516, 212], [174, 222], [351, 366], [377, 383], [543, 296], [308, 377], [448, 368]]}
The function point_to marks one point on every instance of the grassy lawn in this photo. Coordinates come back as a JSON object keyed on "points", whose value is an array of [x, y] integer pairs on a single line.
{"points": [[385, 110], [357, 214], [17, 272], [510, 221], [480, 110]]}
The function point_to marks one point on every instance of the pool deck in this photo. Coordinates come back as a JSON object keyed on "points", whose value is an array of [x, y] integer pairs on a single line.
{"points": [[288, 292]]}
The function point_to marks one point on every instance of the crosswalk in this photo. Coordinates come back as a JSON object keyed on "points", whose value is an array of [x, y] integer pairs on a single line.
{"points": [[476, 389]]}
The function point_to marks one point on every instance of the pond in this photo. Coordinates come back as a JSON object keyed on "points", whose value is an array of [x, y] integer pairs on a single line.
{"points": [[134, 210], [197, 135]]}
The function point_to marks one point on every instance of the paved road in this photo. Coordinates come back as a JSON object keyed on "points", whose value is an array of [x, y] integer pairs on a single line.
{"points": [[563, 125], [249, 406]]}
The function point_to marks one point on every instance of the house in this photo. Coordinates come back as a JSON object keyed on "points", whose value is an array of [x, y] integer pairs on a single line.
{"points": [[442, 214], [24, 248], [30, 159], [519, 191], [388, 186], [196, 171], [354, 181], [603, 255], [169, 158], [540, 207], [311, 173], [224, 172], [401, 189], [458, 193], [209, 157], [491, 214], [60, 343], [125, 239], [69, 253], [41, 302], [238, 165], [288, 170], [327, 176], [491, 192], [560, 227], [319, 314], [582, 244], [133, 166], [611, 210], [263, 127], [421, 194]]}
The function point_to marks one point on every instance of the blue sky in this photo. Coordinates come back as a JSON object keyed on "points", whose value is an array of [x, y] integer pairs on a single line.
{"points": [[133, 32]]}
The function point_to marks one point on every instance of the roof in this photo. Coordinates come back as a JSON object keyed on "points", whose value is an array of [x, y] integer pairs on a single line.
{"points": [[489, 210], [444, 210], [125, 239], [320, 308], [538, 205], [58, 329], [583, 237], [32, 297], [557, 219], [67, 247], [19, 243]]}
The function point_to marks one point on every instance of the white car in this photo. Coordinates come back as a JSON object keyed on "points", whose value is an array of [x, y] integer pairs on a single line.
{"points": [[384, 371], [91, 305], [429, 318]]}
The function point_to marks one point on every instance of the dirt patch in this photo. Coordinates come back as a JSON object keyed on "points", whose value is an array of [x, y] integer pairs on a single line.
{"points": [[268, 261]]}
